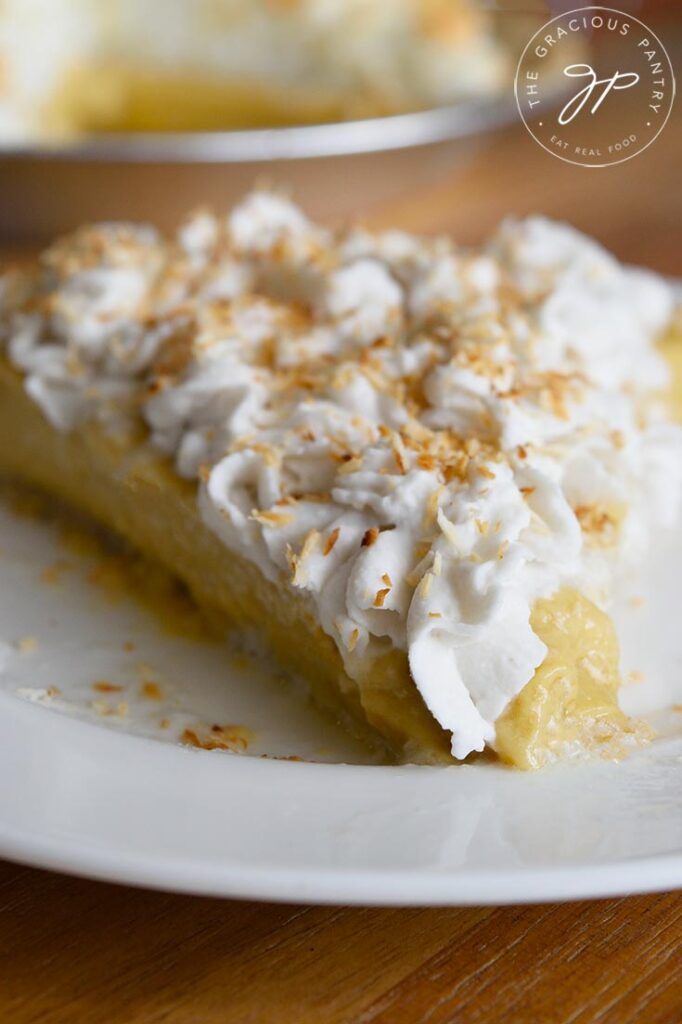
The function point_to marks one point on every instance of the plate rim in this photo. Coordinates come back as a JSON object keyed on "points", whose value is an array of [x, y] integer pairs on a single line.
{"points": [[262, 145], [367, 888], [354, 886]]}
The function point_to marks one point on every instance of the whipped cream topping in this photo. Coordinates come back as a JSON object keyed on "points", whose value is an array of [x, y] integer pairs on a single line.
{"points": [[422, 439]]}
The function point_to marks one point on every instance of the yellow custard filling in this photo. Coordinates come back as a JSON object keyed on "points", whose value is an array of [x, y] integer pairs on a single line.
{"points": [[120, 99], [671, 346], [572, 700]]}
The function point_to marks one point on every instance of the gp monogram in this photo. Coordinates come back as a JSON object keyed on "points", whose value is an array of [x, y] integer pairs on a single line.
{"points": [[614, 79]]}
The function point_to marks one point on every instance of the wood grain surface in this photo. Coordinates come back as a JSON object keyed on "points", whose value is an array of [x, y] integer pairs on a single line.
{"points": [[75, 951], [88, 953]]}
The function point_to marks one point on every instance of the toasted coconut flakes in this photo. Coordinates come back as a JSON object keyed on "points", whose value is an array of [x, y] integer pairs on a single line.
{"points": [[399, 453], [242, 443], [431, 512], [349, 464], [599, 522], [52, 574], [190, 738], [449, 530], [269, 518], [455, 470], [297, 562], [233, 738], [27, 644], [271, 455], [425, 585], [152, 691], [287, 757], [74, 365], [369, 537], [309, 543], [105, 710], [104, 686], [292, 561], [331, 540], [343, 376], [416, 430], [319, 498]]}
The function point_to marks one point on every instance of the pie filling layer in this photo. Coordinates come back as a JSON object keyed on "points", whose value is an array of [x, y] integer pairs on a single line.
{"points": [[417, 472]]}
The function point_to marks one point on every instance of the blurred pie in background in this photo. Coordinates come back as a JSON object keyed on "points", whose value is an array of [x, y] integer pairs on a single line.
{"points": [[75, 66]]}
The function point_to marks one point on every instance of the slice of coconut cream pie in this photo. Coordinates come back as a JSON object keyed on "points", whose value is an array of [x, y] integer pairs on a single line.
{"points": [[417, 472]]}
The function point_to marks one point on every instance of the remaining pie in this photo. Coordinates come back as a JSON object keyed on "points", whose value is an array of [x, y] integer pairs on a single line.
{"points": [[412, 472], [92, 65]]}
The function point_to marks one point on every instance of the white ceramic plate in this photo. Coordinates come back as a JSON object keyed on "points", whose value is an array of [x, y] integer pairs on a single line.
{"points": [[114, 796]]}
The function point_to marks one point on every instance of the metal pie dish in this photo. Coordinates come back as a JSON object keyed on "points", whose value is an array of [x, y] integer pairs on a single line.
{"points": [[336, 170]]}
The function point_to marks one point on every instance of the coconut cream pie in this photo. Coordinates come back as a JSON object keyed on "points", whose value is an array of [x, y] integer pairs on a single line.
{"points": [[95, 65], [415, 472]]}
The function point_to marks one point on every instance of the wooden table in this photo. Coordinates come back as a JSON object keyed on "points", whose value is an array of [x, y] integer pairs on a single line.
{"points": [[74, 951], [87, 953]]}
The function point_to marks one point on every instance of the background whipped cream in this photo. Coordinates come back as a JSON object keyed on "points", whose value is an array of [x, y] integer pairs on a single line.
{"points": [[422, 439]]}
